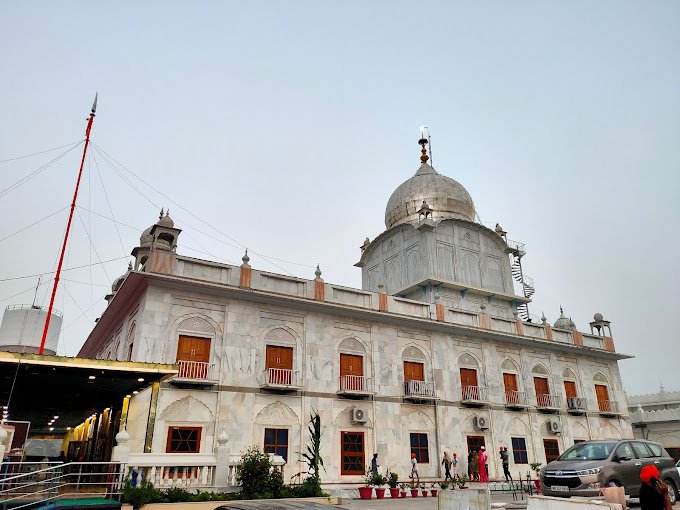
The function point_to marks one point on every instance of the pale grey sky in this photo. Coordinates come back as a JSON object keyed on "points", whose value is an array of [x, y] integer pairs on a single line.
{"points": [[287, 125]]}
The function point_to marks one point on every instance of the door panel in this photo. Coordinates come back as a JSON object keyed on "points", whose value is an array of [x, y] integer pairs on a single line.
{"points": [[468, 382], [510, 385], [570, 389], [184, 348], [414, 371], [602, 395], [542, 389], [351, 372], [626, 471]]}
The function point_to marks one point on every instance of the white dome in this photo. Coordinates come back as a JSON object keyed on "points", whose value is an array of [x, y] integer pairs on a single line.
{"points": [[446, 197]]}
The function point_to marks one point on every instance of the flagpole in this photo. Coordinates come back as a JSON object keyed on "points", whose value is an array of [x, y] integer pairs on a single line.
{"points": [[68, 227]]}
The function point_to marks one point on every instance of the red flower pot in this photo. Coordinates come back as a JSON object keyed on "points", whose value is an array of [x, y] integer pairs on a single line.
{"points": [[402, 494], [394, 492], [380, 492], [365, 492], [434, 493], [537, 483], [414, 493]]}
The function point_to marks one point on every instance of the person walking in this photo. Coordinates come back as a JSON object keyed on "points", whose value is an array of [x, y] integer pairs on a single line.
{"points": [[481, 460], [454, 464], [446, 462], [505, 460], [374, 464], [414, 468], [653, 492]]}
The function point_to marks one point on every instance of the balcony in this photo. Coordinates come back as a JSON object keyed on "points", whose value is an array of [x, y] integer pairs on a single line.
{"points": [[355, 386], [577, 405], [195, 373], [516, 399], [548, 402], [608, 407], [473, 395], [419, 390], [281, 379]]}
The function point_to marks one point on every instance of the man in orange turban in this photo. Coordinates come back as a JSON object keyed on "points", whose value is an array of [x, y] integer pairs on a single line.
{"points": [[653, 492]]}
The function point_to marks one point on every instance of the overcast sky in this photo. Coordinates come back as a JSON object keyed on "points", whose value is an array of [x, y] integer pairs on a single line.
{"points": [[287, 125]]}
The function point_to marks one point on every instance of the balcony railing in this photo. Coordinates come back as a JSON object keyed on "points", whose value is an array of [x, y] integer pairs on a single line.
{"points": [[355, 384], [422, 389], [608, 406], [473, 394], [548, 401], [514, 398], [577, 404], [281, 378], [195, 371]]}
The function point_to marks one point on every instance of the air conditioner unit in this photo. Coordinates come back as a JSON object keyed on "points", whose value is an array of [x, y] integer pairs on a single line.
{"points": [[554, 426], [481, 423], [358, 415]]}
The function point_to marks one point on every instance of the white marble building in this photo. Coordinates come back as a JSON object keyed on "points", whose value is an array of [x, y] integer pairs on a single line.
{"points": [[432, 354], [656, 416]]}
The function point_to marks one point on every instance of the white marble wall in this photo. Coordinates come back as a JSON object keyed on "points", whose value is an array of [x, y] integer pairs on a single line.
{"points": [[240, 329]]}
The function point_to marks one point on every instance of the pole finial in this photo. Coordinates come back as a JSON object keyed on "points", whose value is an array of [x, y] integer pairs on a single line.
{"points": [[94, 105], [423, 151]]}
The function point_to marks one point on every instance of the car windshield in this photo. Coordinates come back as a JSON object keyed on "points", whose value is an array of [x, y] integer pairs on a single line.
{"points": [[588, 451]]}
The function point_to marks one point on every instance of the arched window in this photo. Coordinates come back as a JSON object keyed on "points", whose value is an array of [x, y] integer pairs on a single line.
{"points": [[511, 383], [604, 403], [130, 341], [415, 380], [469, 378], [352, 361]]}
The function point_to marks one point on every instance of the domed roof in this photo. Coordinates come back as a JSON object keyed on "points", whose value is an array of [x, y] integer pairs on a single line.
{"points": [[146, 237], [564, 322], [446, 197]]}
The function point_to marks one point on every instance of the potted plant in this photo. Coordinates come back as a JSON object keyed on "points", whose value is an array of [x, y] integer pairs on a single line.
{"points": [[402, 490], [461, 480], [443, 485], [378, 481], [366, 491], [414, 489], [536, 468], [433, 490], [422, 490], [393, 481]]}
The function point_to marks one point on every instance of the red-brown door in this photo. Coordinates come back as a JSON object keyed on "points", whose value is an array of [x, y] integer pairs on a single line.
{"points": [[351, 372], [510, 385], [414, 371], [468, 383], [542, 391], [280, 361], [195, 351], [602, 395], [570, 389]]}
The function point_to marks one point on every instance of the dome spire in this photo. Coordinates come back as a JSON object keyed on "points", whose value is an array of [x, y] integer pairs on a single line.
{"points": [[423, 151]]}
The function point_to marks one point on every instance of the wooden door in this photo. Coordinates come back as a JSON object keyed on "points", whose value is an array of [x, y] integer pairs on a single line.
{"points": [[510, 385], [414, 371], [279, 363], [351, 372], [542, 391], [195, 351], [468, 383], [602, 395], [570, 389]]}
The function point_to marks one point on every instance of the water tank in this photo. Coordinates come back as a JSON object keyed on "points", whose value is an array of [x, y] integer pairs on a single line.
{"points": [[22, 327]]}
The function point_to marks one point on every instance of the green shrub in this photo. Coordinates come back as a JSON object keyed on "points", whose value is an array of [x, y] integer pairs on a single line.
{"points": [[141, 495]]}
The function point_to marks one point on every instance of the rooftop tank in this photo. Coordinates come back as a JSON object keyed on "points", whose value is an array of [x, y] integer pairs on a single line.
{"points": [[22, 327]]}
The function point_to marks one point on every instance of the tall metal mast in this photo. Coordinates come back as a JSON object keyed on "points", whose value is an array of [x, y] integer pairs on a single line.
{"points": [[68, 226]]}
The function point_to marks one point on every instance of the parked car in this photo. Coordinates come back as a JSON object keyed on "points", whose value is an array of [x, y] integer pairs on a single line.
{"points": [[586, 467]]}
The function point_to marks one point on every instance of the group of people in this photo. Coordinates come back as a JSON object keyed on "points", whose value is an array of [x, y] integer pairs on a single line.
{"points": [[478, 464]]}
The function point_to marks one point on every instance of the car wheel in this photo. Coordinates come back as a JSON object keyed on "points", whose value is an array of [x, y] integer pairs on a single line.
{"points": [[672, 491]]}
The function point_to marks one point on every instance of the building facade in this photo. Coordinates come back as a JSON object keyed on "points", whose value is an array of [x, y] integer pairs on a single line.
{"points": [[436, 352], [656, 416]]}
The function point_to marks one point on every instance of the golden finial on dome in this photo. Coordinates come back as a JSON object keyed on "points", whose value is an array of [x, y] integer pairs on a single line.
{"points": [[423, 151]]}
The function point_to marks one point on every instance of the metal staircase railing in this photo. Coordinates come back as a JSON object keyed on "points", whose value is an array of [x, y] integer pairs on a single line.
{"points": [[20, 488]]}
